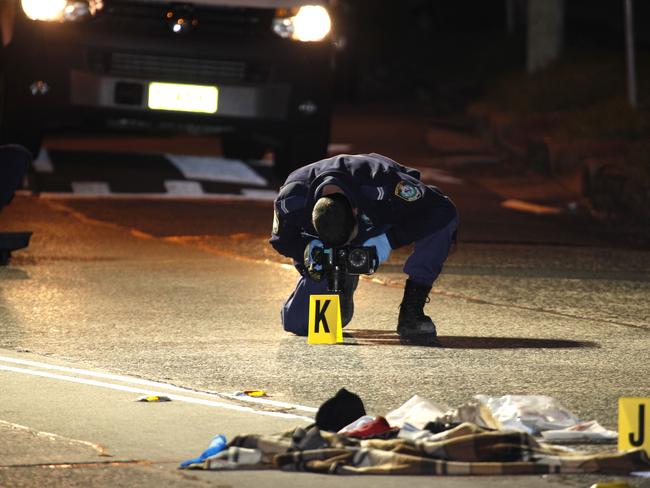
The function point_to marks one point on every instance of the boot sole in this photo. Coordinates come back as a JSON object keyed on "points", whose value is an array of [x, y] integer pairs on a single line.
{"points": [[420, 340]]}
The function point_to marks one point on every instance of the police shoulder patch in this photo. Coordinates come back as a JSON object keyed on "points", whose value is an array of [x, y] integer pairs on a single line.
{"points": [[408, 192]]}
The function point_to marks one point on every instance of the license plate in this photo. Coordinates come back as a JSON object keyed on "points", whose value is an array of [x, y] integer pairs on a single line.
{"points": [[183, 98]]}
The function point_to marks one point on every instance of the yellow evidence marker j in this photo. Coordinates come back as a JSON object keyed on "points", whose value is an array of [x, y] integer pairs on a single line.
{"points": [[633, 423], [324, 320]]}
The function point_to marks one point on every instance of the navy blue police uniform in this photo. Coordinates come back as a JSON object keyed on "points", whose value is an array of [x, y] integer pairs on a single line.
{"points": [[389, 198]]}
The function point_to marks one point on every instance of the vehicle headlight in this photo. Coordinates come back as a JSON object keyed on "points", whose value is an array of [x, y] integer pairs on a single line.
{"points": [[60, 10], [44, 9], [307, 23]]}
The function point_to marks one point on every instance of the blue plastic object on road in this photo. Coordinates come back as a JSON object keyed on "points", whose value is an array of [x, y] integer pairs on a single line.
{"points": [[217, 445], [382, 245]]}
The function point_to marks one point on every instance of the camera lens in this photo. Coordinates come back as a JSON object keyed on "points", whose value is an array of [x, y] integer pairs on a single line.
{"points": [[358, 258]]}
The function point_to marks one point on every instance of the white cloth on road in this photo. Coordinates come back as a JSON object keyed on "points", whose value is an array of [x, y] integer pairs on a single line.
{"points": [[529, 413], [360, 422], [417, 411], [583, 432]]}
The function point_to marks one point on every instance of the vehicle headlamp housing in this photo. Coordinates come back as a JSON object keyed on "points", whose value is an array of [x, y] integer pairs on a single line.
{"points": [[60, 10], [309, 23]]}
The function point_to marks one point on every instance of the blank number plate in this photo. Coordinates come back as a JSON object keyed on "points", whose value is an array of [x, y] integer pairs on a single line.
{"points": [[183, 98]]}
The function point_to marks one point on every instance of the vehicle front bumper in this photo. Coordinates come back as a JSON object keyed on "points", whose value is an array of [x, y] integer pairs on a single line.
{"points": [[66, 77]]}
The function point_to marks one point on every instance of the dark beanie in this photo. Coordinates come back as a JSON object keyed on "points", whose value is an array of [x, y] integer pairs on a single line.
{"points": [[342, 409]]}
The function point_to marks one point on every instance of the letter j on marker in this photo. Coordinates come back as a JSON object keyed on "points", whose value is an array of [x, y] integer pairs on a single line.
{"points": [[633, 423]]}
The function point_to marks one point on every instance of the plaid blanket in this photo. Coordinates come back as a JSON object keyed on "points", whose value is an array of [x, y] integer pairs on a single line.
{"points": [[464, 450]]}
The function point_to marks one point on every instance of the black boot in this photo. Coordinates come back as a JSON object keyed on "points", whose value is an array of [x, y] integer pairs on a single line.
{"points": [[412, 325], [347, 299]]}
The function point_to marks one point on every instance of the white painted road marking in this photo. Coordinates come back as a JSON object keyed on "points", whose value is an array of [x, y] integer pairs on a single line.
{"points": [[154, 384], [94, 188], [101, 450], [184, 188], [216, 169], [142, 391], [257, 194], [42, 163], [156, 196]]}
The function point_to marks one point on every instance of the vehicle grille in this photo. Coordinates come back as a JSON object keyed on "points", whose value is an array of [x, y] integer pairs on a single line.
{"points": [[227, 21], [176, 68]]}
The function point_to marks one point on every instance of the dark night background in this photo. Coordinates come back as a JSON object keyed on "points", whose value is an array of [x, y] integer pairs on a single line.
{"points": [[467, 63], [448, 53]]}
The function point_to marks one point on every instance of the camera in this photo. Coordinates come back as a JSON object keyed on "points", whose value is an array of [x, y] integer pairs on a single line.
{"points": [[340, 262]]}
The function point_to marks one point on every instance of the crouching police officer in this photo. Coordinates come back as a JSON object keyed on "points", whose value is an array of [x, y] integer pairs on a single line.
{"points": [[368, 200]]}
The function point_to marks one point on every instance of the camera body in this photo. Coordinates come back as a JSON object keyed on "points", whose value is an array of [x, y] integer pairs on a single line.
{"points": [[340, 262]]}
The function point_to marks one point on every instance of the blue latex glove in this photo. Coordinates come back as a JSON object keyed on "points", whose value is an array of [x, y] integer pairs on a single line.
{"points": [[217, 445], [381, 245], [315, 270]]}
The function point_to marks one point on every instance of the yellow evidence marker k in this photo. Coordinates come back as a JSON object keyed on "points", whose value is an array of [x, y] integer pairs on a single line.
{"points": [[324, 320], [633, 423]]}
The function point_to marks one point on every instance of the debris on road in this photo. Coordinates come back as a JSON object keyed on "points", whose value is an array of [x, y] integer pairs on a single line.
{"points": [[463, 450], [582, 433], [416, 411], [252, 393], [611, 484], [424, 437], [376, 428], [529, 413], [217, 444], [342, 409], [153, 399], [357, 424]]}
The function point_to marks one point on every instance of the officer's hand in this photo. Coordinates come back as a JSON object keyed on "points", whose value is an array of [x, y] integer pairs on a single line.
{"points": [[314, 269], [381, 245]]}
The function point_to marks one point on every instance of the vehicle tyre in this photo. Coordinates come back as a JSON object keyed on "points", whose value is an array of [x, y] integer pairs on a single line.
{"points": [[300, 149]]}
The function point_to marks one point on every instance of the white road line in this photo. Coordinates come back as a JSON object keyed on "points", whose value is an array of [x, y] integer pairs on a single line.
{"points": [[184, 188], [268, 195], [157, 196], [155, 384], [94, 188], [101, 450], [142, 391], [43, 163], [216, 169]]}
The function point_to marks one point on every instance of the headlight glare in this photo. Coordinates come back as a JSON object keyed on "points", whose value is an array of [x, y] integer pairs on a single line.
{"points": [[76, 10], [309, 23], [60, 10], [44, 9]]}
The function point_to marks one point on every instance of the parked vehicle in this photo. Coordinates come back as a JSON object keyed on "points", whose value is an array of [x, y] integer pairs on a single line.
{"points": [[256, 72]]}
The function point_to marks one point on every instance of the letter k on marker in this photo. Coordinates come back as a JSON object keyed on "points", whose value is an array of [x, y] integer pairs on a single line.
{"points": [[320, 315]]}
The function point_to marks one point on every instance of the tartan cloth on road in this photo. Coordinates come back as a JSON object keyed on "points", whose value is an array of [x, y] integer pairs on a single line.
{"points": [[464, 450]]}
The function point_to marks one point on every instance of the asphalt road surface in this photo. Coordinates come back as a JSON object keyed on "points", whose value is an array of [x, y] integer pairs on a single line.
{"points": [[128, 283]]}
